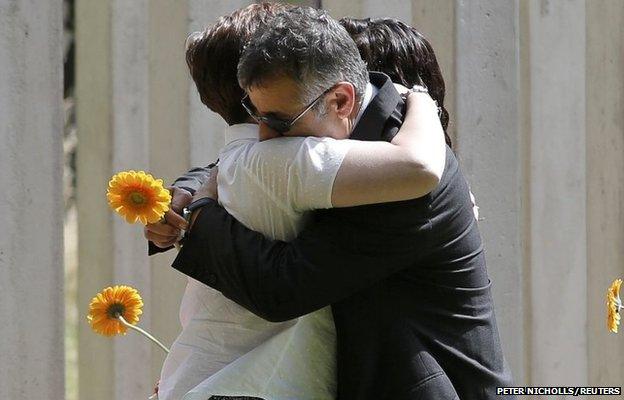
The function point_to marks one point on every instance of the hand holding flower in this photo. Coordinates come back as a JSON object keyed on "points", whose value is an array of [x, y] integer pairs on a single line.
{"points": [[167, 232]]}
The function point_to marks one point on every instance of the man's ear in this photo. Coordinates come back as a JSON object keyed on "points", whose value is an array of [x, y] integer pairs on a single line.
{"points": [[342, 99]]}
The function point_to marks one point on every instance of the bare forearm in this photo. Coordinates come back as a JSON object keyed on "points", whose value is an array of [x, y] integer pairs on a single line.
{"points": [[379, 172], [421, 134]]}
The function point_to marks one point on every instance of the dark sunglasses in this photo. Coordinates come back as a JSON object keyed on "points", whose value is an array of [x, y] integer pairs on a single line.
{"points": [[278, 124]]}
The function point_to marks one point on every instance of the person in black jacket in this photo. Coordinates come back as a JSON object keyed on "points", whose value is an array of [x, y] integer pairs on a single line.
{"points": [[407, 280]]}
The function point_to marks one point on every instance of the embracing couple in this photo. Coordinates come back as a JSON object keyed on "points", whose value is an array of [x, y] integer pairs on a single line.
{"points": [[334, 251]]}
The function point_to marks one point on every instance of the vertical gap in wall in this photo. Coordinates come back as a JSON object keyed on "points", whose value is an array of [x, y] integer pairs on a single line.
{"points": [[70, 231], [588, 214], [525, 201]]}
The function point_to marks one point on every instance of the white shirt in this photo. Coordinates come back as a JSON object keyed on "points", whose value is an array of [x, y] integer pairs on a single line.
{"points": [[226, 350]]}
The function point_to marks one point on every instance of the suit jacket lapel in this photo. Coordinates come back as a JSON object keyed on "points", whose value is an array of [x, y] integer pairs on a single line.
{"points": [[386, 104]]}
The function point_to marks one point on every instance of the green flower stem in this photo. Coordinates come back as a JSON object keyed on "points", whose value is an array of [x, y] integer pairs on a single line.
{"points": [[142, 332]]}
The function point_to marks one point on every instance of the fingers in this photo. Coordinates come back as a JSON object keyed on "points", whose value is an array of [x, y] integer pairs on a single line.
{"points": [[212, 183], [166, 229], [164, 245], [155, 237], [159, 240], [213, 176], [180, 198], [209, 187], [176, 220], [165, 232]]}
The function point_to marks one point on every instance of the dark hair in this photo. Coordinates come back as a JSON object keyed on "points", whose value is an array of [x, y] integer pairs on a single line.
{"points": [[401, 52], [309, 47], [213, 55]]}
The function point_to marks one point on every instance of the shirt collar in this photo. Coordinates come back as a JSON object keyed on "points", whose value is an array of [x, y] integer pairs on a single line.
{"points": [[241, 131], [370, 92]]}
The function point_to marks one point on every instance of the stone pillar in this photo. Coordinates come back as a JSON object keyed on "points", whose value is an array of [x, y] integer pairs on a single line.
{"points": [[489, 148], [31, 202], [605, 182], [93, 169], [131, 139], [557, 238]]}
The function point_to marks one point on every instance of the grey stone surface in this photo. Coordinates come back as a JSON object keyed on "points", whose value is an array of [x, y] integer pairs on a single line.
{"points": [[130, 150], [557, 185], [488, 143], [31, 202], [95, 221], [401, 9], [604, 180], [435, 19]]}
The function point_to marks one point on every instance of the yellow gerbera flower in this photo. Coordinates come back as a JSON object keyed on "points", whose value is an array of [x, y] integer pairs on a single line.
{"points": [[137, 196], [111, 303], [614, 304]]}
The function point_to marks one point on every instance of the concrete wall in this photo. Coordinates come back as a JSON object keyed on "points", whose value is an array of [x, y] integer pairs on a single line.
{"points": [[604, 155], [488, 138], [557, 184], [94, 155], [435, 19], [31, 200]]}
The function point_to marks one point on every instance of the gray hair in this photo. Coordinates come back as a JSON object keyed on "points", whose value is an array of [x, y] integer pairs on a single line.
{"points": [[307, 46]]}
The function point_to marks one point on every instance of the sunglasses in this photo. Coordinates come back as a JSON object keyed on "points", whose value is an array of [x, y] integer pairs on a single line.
{"points": [[278, 124]]}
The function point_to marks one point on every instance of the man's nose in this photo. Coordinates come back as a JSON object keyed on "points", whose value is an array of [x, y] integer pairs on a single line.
{"points": [[267, 133]]}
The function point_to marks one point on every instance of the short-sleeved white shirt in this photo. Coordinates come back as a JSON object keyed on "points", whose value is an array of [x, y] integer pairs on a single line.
{"points": [[223, 348]]}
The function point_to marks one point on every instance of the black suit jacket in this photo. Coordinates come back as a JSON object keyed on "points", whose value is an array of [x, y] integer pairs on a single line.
{"points": [[407, 282]]}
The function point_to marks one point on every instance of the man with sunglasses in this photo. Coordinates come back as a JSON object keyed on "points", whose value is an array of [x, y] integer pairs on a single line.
{"points": [[406, 281], [279, 125]]}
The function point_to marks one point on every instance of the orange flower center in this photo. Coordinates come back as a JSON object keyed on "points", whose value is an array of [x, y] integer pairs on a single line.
{"points": [[115, 310], [137, 198]]}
